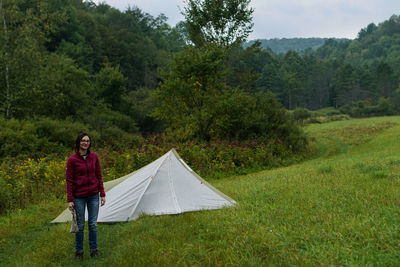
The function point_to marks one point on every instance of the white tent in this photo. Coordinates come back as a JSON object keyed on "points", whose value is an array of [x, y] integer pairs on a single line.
{"points": [[165, 186]]}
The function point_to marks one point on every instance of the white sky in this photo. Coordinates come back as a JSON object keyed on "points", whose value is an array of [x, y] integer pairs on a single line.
{"points": [[289, 18]]}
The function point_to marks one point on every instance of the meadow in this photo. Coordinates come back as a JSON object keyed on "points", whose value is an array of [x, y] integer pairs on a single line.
{"points": [[341, 208]]}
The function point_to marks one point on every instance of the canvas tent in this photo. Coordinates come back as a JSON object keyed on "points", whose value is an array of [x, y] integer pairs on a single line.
{"points": [[165, 186]]}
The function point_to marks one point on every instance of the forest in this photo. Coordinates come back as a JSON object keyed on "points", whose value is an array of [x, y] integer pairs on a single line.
{"points": [[91, 63], [347, 75], [140, 86], [97, 65], [300, 45]]}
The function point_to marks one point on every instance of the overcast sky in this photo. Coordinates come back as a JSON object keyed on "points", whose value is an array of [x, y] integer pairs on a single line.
{"points": [[290, 18]]}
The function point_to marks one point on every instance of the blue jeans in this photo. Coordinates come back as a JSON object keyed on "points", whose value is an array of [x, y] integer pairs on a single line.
{"points": [[92, 204]]}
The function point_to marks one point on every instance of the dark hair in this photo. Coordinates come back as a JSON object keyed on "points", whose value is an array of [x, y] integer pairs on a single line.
{"points": [[78, 142]]}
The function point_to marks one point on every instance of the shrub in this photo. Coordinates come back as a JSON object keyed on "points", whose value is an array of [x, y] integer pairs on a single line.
{"points": [[102, 117], [346, 109], [117, 139], [61, 132], [43, 136], [215, 158], [301, 114], [364, 108], [18, 137], [39, 137], [30, 181]]}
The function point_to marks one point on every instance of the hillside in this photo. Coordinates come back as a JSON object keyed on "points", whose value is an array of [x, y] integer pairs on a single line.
{"points": [[341, 208], [298, 44], [359, 74], [375, 44]]}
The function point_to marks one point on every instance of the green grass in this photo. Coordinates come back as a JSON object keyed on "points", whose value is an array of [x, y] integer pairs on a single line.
{"points": [[341, 208]]}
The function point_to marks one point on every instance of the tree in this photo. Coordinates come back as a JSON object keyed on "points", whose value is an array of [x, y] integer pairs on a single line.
{"points": [[367, 31], [347, 86], [207, 93], [22, 54], [391, 26], [139, 104], [5, 59], [64, 93], [190, 90], [111, 86], [197, 103], [385, 81], [205, 84], [269, 77], [293, 75], [224, 22]]}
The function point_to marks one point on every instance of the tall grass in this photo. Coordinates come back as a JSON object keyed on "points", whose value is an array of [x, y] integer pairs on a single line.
{"points": [[342, 208]]}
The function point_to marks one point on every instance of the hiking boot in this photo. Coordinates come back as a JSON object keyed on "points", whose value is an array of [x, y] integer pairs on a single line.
{"points": [[79, 255], [94, 253]]}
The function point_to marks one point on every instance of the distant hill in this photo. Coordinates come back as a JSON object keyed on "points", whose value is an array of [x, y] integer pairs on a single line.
{"points": [[297, 44], [374, 44]]}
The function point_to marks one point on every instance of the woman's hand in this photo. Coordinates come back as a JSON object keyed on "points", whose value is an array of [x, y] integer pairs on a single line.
{"points": [[71, 206], [103, 201]]}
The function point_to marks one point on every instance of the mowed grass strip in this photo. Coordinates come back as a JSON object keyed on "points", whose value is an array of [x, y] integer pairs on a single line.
{"points": [[339, 209]]}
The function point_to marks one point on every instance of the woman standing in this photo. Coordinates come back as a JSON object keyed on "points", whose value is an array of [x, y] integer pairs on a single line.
{"points": [[84, 184]]}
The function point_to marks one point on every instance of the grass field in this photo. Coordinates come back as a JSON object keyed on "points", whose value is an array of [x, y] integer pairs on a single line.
{"points": [[340, 208]]}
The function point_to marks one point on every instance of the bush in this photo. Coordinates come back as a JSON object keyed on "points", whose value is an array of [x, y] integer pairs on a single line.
{"points": [[363, 108], [61, 132], [346, 109], [117, 139], [210, 159], [30, 181], [43, 136], [301, 114], [102, 117], [18, 137], [325, 119], [21, 138]]}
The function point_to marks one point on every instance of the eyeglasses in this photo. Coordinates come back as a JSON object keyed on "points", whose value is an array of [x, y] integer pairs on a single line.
{"points": [[85, 141]]}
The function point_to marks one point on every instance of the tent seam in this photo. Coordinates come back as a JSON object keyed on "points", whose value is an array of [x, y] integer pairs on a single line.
{"points": [[171, 188]]}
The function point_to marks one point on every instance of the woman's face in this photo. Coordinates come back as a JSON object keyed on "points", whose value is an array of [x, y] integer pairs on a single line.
{"points": [[85, 142]]}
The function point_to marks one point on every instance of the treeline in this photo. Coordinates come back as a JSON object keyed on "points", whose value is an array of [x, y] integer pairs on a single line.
{"points": [[339, 74]]}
